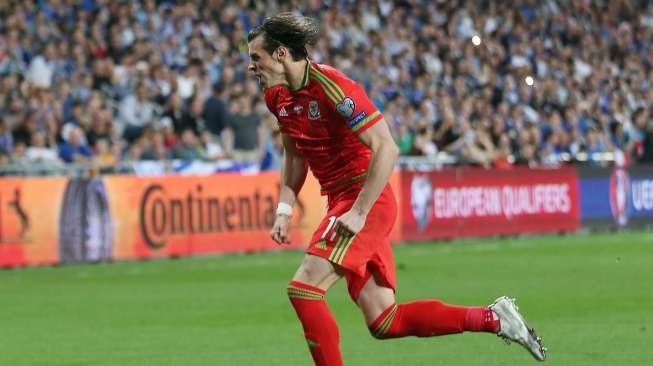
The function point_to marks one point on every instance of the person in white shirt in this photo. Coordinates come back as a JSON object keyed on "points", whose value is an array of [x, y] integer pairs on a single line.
{"points": [[136, 111], [41, 69], [39, 152]]}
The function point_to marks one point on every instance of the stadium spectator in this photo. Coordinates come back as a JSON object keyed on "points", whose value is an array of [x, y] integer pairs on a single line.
{"points": [[188, 147], [25, 128], [102, 154], [423, 142], [211, 147], [136, 111], [156, 148], [214, 112], [76, 113], [13, 113], [42, 67], [19, 154], [175, 112], [245, 129], [272, 153], [405, 139], [101, 127], [74, 149], [6, 137], [39, 152]]}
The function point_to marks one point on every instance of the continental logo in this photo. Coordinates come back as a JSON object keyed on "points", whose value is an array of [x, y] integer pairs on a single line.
{"points": [[163, 215]]}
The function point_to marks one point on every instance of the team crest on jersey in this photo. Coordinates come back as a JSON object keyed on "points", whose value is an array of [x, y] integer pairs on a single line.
{"points": [[313, 110], [346, 107]]}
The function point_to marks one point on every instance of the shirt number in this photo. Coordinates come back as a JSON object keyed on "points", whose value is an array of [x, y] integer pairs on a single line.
{"points": [[332, 220]]}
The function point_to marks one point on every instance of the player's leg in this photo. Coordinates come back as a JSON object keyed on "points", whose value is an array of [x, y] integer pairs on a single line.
{"points": [[423, 318], [318, 272], [306, 292]]}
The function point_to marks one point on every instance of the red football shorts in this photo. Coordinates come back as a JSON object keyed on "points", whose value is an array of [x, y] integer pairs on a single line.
{"points": [[366, 254]]}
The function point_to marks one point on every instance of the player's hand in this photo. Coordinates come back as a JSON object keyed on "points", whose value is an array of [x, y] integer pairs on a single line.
{"points": [[279, 231], [350, 223]]}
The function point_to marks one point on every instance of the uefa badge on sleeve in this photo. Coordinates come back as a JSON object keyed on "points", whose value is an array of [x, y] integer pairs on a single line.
{"points": [[313, 110], [346, 107]]}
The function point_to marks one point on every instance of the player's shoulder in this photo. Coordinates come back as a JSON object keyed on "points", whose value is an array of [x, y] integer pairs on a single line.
{"points": [[330, 73], [276, 94], [276, 98]]}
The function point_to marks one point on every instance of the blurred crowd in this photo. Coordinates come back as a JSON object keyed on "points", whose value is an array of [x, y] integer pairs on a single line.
{"points": [[492, 83]]}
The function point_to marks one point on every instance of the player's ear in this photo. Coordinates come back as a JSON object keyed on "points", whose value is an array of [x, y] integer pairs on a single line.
{"points": [[281, 53]]}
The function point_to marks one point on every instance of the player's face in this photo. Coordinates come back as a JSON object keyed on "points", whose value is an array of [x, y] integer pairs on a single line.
{"points": [[264, 66]]}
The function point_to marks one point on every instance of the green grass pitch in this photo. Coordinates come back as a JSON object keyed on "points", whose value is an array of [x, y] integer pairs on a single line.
{"points": [[589, 296]]}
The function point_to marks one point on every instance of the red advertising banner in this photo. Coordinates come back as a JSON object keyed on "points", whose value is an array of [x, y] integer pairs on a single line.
{"points": [[181, 215], [184, 215], [29, 220], [469, 201]]}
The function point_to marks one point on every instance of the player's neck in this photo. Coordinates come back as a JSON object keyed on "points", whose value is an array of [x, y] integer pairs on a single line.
{"points": [[295, 73]]}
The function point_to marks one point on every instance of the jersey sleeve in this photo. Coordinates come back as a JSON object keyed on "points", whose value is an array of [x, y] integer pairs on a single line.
{"points": [[348, 99]]}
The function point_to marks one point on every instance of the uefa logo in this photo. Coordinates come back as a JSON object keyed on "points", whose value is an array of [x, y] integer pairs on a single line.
{"points": [[619, 192], [421, 194]]}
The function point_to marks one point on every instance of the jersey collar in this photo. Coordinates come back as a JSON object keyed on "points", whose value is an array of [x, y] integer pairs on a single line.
{"points": [[305, 80]]}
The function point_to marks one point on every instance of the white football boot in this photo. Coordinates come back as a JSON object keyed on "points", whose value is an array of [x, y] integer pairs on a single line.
{"points": [[514, 327]]}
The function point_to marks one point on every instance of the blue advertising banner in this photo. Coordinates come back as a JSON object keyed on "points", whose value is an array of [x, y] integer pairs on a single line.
{"points": [[619, 197]]}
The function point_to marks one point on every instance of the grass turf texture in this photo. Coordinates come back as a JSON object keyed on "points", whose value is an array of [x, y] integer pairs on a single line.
{"points": [[589, 296]]}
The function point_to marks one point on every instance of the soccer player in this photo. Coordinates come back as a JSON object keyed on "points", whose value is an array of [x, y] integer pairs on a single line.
{"points": [[329, 125]]}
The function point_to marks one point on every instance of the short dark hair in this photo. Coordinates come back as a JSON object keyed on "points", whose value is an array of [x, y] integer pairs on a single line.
{"points": [[289, 30]]}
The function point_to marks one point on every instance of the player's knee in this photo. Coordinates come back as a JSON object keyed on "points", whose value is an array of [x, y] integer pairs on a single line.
{"points": [[288, 289], [306, 274], [302, 291], [376, 334], [316, 271], [381, 327], [292, 290]]}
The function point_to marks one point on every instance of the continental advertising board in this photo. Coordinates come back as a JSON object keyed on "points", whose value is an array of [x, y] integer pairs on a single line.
{"points": [[179, 215]]}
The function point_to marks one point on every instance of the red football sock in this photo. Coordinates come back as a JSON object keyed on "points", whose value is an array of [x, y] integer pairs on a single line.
{"points": [[432, 318], [320, 328]]}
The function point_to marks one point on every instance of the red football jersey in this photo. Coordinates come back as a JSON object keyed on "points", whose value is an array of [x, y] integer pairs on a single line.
{"points": [[324, 117]]}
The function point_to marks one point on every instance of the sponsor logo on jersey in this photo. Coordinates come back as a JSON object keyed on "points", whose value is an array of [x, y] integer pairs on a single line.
{"points": [[298, 109], [356, 120], [283, 112], [313, 109], [346, 107], [322, 245]]}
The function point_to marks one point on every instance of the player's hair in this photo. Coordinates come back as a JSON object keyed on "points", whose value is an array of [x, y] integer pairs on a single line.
{"points": [[289, 30]]}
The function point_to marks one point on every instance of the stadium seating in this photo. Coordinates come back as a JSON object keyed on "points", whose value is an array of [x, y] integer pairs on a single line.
{"points": [[470, 82]]}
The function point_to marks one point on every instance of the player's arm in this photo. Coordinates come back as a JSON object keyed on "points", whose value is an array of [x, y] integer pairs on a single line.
{"points": [[293, 175], [384, 156], [293, 172]]}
